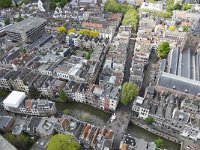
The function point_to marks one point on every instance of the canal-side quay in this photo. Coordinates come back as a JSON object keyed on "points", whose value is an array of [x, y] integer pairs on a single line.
{"points": [[175, 143]]}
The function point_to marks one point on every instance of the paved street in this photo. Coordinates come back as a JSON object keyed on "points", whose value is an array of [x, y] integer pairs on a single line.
{"points": [[119, 126]]}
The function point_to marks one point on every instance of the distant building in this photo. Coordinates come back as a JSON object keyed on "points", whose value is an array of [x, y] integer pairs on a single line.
{"points": [[28, 30]]}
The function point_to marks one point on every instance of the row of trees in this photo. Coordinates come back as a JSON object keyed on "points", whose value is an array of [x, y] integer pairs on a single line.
{"points": [[88, 32], [177, 6], [131, 18], [5, 3], [113, 6]]}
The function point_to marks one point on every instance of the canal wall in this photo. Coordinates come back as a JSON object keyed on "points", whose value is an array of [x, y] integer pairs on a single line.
{"points": [[146, 127]]}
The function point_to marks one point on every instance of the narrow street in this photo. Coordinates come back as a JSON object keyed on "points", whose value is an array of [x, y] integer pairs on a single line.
{"points": [[150, 72], [129, 58], [123, 113]]}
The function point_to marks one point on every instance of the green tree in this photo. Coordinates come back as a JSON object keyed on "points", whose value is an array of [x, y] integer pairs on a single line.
{"points": [[21, 141], [61, 29], [186, 6], [149, 120], [113, 6], [131, 18], [185, 28], [62, 96], [7, 21], [5, 3], [62, 142], [34, 93], [159, 143], [3, 93], [177, 6], [163, 50], [129, 92]]}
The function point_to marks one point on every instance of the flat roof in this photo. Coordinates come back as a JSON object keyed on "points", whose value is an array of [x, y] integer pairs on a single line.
{"points": [[26, 24], [14, 99]]}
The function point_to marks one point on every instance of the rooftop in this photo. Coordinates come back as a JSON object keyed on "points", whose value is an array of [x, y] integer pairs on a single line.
{"points": [[26, 25]]}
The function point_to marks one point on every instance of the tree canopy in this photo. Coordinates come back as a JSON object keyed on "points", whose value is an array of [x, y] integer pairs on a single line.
{"points": [[129, 92], [61, 3], [149, 120], [22, 141], [171, 28], [63, 96], [34, 93], [89, 32], [3, 93], [113, 6], [163, 50], [61, 29], [185, 28], [62, 142], [131, 18], [7, 21], [73, 30], [159, 143], [5, 3]]}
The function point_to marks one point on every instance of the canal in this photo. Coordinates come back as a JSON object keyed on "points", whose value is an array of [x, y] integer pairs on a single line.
{"points": [[139, 132], [84, 112]]}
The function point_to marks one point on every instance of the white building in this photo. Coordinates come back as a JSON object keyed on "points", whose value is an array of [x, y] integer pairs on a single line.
{"points": [[139, 108], [14, 100]]}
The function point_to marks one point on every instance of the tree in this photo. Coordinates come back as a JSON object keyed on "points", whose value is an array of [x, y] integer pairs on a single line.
{"points": [[113, 6], [3, 93], [63, 3], [163, 50], [186, 6], [62, 96], [84, 32], [159, 143], [171, 28], [94, 33], [177, 6], [34, 93], [149, 120], [129, 92], [5, 3], [61, 29], [7, 21], [21, 141], [131, 18], [185, 28], [62, 142], [73, 30]]}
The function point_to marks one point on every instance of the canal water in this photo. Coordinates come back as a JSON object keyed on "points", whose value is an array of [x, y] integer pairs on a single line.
{"points": [[84, 112], [139, 132]]}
